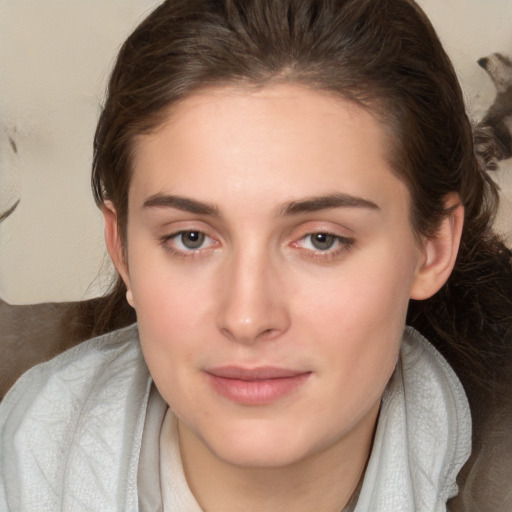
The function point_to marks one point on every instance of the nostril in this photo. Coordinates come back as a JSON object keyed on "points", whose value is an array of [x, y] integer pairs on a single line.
{"points": [[249, 333], [268, 334]]}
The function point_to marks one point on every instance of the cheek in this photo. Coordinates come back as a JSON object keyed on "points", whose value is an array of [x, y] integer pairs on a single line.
{"points": [[369, 291], [165, 293], [359, 316], [171, 306], [172, 324], [172, 334]]}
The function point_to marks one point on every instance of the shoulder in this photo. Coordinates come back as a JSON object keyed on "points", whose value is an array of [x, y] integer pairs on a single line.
{"points": [[436, 400], [438, 414], [76, 372], [421, 361], [423, 434], [80, 412]]}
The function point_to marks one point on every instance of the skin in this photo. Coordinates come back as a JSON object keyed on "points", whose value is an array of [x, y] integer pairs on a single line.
{"points": [[259, 290]]}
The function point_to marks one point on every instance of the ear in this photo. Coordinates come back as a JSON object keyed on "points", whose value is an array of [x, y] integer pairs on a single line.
{"points": [[115, 246], [439, 252]]}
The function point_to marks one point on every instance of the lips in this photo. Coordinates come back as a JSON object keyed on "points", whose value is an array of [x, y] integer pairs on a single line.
{"points": [[255, 386]]}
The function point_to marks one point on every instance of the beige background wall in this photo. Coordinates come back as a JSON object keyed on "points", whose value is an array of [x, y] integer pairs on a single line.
{"points": [[55, 56]]}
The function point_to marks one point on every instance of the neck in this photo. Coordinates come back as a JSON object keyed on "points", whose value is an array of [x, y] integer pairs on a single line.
{"points": [[325, 480]]}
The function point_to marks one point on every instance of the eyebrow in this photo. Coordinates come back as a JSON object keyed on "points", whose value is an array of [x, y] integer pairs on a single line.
{"points": [[331, 201], [307, 205], [181, 203]]}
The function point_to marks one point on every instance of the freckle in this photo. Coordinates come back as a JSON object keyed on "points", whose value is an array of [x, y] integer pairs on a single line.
{"points": [[13, 145]]}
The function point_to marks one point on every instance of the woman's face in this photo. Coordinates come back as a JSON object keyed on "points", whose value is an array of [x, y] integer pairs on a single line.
{"points": [[270, 260]]}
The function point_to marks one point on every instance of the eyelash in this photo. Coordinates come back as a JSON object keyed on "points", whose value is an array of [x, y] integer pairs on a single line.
{"points": [[343, 244], [186, 252]]}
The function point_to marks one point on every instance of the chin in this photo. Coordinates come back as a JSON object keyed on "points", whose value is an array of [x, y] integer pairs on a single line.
{"points": [[258, 456], [260, 446]]}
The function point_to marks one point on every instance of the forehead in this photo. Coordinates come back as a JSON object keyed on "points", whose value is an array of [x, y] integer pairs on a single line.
{"points": [[252, 141]]}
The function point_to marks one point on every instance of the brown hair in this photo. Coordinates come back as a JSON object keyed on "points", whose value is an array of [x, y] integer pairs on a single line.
{"points": [[382, 54]]}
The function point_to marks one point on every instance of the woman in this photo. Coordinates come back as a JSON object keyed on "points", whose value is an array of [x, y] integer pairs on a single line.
{"points": [[284, 184]]}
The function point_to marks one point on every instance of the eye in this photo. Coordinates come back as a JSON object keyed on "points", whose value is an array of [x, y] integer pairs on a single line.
{"points": [[187, 241], [190, 239], [321, 241], [323, 245], [324, 242]]}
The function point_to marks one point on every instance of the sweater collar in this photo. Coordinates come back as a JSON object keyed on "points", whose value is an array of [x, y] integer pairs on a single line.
{"points": [[423, 436]]}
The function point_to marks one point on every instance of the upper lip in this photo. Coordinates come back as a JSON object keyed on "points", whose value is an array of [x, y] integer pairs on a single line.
{"points": [[254, 374]]}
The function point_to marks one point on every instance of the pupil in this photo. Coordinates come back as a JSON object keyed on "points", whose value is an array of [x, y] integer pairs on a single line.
{"points": [[192, 239], [322, 241]]}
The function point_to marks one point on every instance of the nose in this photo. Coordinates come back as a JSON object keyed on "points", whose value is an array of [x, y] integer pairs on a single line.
{"points": [[252, 303]]}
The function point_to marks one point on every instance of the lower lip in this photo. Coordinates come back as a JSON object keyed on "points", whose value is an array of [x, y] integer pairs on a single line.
{"points": [[256, 392]]}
